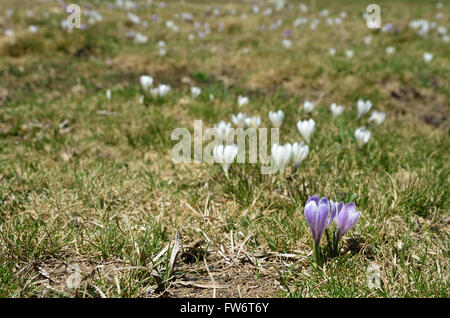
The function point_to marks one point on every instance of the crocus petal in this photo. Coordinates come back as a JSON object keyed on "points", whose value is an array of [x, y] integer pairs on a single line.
{"points": [[333, 212], [324, 201], [353, 217], [311, 216], [314, 198], [342, 219], [322, 217], [346, 217]]}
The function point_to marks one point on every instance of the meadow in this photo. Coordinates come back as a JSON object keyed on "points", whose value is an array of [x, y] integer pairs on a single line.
{"points": [[92, 205]]}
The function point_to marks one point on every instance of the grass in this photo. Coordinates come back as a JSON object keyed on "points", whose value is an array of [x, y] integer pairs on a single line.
{"points": [[90, 182]]}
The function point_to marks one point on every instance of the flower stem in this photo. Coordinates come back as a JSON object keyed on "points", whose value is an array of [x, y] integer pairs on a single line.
{"points": [[336, 243], [317, 257]]}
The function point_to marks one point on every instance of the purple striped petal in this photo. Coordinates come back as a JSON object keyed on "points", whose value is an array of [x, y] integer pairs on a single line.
{"points": [[322, 218], [314, 198], [311, 213], [351, 221], [324, 201], [333, 212]]}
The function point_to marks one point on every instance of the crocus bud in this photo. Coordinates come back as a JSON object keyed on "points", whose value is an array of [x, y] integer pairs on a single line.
{"points": [[362, 136], [281, 156], [276, 118], [225, 155], [306, 128]]}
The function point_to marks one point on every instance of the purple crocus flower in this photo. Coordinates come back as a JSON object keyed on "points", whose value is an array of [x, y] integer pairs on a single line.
{"points": [[317, 212], [346, 218], [287, 33], [388, 27], [155, 17]]}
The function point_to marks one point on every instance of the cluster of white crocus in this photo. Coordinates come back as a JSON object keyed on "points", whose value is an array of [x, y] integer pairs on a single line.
{"points": [[306, 128], [336, 110], [196, 91], [224, 155], [362, 136], [162, 90], [162, 48], [276, 118], [308, 106], [146, 82], [139, 38], [242, 101], [377, 117], [283, 154], [239, 119], [363, 107], [171, 25]]}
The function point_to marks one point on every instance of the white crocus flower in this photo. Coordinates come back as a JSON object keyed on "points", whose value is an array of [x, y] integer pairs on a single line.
{"points": [[367, 39], [349, 53], [239, 119], [133, 18], [299, 153], [242, 100], [33, 29], [139, 38], [162, 51], [196, 91], [287, 43], [146, 82], [378, 117], [281, 156], [223, 130], [276, 118], [108, 94], [225, 156], [363, 107], [308, 106], [427, 57], [336, 110], [362, 136], [332, 51], [390, 50], [163, 89], [306, 128], [253, 122]]}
